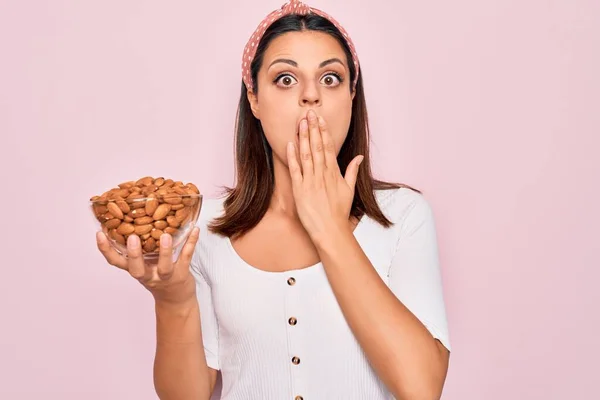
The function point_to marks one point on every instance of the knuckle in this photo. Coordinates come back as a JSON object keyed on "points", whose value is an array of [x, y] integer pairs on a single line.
{"points": [[151, 284], [103, 248], [136, 274], [134, 254], [306, 156], [112, 261], [164, 258], [165, 264], [164, 267], [329, 147], [163, 254], [318, 147], [165, 275]]}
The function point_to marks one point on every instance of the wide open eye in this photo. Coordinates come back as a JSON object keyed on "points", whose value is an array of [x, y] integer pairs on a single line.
{"points": [[332, 79], [285, 80]]}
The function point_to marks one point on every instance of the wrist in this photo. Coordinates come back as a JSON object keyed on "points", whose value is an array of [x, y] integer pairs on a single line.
{"points": [[181, 307], [331, 237]]}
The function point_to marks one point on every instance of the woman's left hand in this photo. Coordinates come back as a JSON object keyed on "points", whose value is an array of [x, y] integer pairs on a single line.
{"points": [[323, 196]]}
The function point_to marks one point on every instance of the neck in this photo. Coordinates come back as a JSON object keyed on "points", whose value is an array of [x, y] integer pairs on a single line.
{"points": [[282, 201]]}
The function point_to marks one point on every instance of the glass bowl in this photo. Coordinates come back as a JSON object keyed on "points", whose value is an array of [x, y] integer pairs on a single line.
{"points": [[148, 217]]}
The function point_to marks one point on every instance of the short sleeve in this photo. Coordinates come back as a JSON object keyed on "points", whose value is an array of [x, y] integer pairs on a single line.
{"points": [[208, 318], [415, 276]]}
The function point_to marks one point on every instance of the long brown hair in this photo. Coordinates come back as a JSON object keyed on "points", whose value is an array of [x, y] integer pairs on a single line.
{"points": [[247, 202]]}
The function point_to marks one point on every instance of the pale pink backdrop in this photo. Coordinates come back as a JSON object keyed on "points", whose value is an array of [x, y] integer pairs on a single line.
{"points": [[492, 108]]}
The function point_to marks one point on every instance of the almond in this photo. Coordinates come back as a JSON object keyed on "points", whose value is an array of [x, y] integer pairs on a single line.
{"points": [[137, 213], [123, 193], [144, 181], [149, 189], [139, 203], [117, 237], [123, 206], [114, 209], [143, 220], [100, 209], [125, 229], [173, 222], [189, 201], [170, 230], [149, 245], [182, 214], [172, 199], [143, 229], [193, 187], [113, 223], [180, 190], [151, 206], [162, 224], [134, 196], [161, 212], [126, 185]]}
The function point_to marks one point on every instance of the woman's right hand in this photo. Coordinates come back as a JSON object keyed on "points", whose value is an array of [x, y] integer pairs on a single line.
{"points": [[169, 282]]}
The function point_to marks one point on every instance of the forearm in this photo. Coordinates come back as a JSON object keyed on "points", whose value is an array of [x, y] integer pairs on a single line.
{"points": [[180, 370], [399, 347]]}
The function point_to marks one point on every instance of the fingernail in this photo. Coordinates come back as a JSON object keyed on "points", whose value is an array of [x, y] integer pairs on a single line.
{"points": [[133, 242], [360, 160], [303, 125], [311, 115], [165, 240], [321, 120], [99, 237]]}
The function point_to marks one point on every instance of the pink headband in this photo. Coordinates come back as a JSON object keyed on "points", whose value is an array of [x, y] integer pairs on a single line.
{"points": [[292, 7]]}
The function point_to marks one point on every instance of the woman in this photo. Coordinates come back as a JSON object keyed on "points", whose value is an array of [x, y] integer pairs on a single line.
{"points": [[311, 280]]}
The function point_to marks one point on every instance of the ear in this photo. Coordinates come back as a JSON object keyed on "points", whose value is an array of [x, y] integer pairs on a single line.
{"points": [[253, 100], [353, 94]]}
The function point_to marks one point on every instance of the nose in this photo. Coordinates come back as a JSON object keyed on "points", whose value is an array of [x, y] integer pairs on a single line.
{"points": [[310, 96]]}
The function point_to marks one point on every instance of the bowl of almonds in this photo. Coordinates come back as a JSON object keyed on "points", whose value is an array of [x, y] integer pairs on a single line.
{"points": [[148, 207]]}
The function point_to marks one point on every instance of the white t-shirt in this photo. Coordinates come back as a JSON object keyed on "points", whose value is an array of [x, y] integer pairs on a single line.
{"points": [[282, 335]]}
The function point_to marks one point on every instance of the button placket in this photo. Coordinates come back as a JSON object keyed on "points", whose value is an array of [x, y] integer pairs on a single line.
{"points": [[293, 325]]}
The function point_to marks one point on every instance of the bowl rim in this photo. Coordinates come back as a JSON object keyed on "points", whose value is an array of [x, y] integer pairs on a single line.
{"points": [[193, 195]]}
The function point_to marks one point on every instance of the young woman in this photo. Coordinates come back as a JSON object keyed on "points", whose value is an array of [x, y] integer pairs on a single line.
{"points": [[310, 279]]}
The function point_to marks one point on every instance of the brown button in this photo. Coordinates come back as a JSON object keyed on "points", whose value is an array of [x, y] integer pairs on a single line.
{"points": [[292, 321], [298, 398], [295, 360], [291, 281]]}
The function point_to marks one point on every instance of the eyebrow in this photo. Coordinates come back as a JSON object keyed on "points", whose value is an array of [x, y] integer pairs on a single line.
{"points": [[295, 64]]}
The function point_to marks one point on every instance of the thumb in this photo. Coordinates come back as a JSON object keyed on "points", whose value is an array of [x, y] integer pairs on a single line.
{"points": [[352, 171]]}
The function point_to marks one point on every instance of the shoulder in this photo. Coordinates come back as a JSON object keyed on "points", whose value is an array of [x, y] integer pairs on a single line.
{"points": [[211, 208], [208, 242], [407, 209]]}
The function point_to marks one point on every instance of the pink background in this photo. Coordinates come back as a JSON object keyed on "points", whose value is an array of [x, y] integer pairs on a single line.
{"points": [[490, 107]]}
